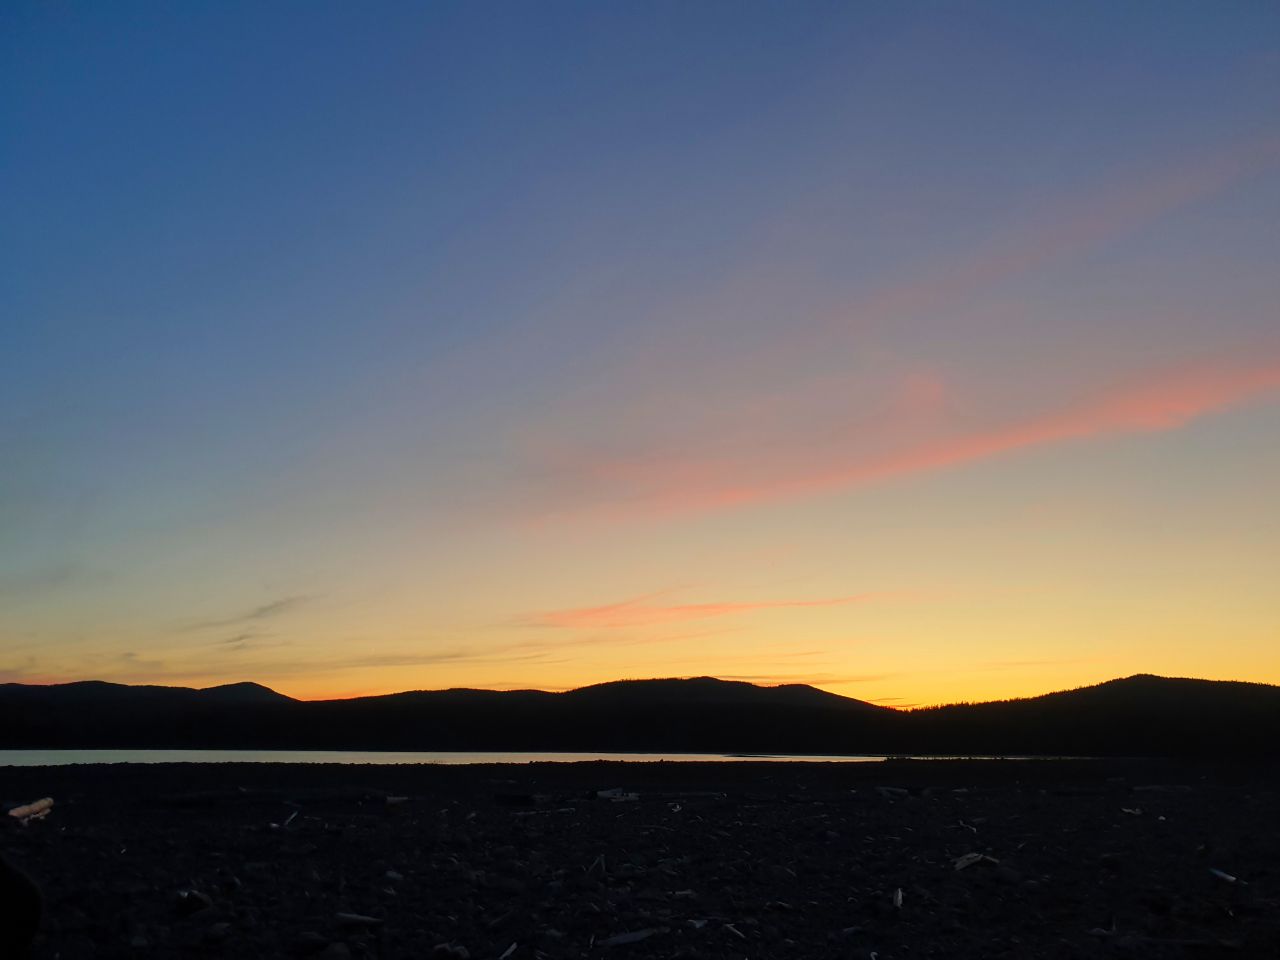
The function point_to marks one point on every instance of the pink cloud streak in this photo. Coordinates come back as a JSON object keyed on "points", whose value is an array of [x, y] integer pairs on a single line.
{"points": [[738, 445], [643, 486], [637, 612]]}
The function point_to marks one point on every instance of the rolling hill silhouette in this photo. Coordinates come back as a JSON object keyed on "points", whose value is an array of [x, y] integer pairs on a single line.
{"points": [[1142, 715]]}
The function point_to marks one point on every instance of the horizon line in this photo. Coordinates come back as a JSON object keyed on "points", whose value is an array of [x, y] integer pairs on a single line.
{"points": [[904, 708]]}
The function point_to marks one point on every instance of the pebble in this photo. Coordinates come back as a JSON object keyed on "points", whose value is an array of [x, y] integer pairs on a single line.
{"points": [[191, 902]]}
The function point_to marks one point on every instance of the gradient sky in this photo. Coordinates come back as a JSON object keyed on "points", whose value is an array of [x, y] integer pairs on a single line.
{"points": [[920, 351]]}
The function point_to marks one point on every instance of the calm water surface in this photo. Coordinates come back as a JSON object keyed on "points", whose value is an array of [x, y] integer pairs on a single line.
{"points": [[57, 758]]}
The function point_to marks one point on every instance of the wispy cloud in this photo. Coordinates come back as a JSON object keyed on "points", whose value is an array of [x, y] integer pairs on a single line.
{"points": [[643, 486], [410, 658], [250, 640], [41, 580], [237, 638], [791, 416], [642, 612], [265, 611], [812, 679], [607, 638], [1085, 223]]}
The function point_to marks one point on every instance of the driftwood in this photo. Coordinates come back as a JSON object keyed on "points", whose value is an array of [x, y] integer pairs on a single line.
{"points": [[34, 810]]}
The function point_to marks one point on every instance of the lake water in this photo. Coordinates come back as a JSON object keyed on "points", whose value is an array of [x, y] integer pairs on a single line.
{"points": [[57, 758]]}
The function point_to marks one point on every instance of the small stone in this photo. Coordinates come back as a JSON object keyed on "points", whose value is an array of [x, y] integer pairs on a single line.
{"points": [[358, 920], [191, 902]]}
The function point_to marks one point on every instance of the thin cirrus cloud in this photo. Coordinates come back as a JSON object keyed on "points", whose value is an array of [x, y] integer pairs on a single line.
{"points": [[1087, 223], [644, 487], [640, 612], [1056, 233], [809, 678], [559, 643], [265, 611], [711, 462]]}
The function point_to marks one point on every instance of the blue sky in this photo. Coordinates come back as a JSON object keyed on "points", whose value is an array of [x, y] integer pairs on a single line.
{"points": [[439, 321]]}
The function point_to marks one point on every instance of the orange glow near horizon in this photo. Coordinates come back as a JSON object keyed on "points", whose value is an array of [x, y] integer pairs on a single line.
{"points": [[1052, 598], [916, 370], [979, 693]]}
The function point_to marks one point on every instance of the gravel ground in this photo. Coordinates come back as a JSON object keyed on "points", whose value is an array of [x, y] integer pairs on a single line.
{"points": [[887, 860]]}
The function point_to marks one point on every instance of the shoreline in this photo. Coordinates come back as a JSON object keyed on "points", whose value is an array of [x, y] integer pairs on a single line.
{"points": [[43, 757]]}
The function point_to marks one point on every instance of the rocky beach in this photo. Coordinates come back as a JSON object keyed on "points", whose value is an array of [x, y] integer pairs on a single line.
{"points": [[893, 859]]}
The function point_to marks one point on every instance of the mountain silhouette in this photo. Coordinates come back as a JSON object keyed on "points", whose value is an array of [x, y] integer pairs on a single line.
{"points": [[709, 690], [245, 692], [1142, 715]]}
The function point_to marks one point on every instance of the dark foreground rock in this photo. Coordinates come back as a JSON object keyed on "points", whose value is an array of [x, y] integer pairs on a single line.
{"points": [[887, 860]]}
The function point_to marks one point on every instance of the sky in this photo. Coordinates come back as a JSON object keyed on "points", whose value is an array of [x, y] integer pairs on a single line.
{"points": [[923, 352]]}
